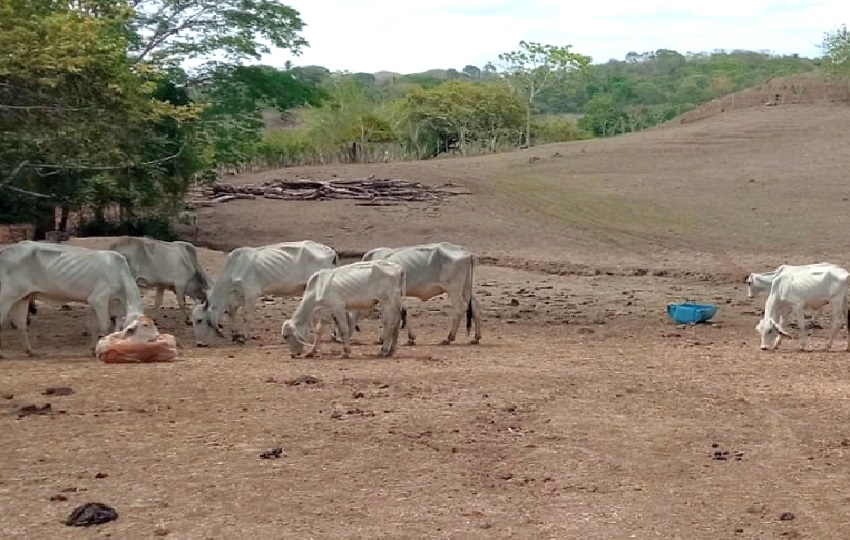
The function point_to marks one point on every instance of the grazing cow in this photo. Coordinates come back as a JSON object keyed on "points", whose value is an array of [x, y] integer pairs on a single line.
{"points": [[31, 309], [433, 269], [803, 288], [61, 273], [354, 286], [250, 272], [760, 282], [165, 265]]}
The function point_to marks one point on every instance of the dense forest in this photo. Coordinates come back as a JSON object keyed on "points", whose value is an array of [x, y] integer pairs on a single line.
{"points": [[100, 117]]}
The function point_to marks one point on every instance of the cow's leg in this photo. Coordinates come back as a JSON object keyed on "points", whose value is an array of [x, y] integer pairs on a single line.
{"points": [[344, 330], [837, 323], [317, 337], [354, 318], [799, 312], [391, 319], [101, 311], [411, 337], [180, 293], [476, 320], [458, 308], [248, 320], [157, 299], [18, 315]]}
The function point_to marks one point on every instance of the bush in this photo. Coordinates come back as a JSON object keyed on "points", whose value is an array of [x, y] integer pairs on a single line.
{"points": [[552, 129], [158, 227], [286, 148]]}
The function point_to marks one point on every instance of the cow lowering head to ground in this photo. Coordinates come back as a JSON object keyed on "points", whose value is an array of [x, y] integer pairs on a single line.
{"points": [[61, 273], [803, 288], [434, 269], [251, 272], [760, 282], [165, 265], [355, 286]]}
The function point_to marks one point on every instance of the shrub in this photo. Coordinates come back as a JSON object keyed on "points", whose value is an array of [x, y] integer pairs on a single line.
{"points": [[158, 227]]}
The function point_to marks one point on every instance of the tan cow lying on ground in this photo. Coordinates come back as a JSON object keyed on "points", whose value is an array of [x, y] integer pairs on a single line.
{"points": [[139, 342]]}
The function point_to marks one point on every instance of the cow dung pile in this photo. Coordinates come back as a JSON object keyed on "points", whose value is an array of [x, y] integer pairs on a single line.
{"points": [[368, 191]]}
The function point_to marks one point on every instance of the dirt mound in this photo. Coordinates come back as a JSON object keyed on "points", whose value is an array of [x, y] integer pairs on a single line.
{"points": [[793, 89]]}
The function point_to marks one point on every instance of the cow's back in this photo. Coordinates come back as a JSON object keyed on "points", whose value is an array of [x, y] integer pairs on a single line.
{"points": [[818, 281], [69, 273]]}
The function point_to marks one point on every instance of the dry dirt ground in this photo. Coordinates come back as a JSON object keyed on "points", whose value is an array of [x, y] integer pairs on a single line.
{"points": [[584, 413]]}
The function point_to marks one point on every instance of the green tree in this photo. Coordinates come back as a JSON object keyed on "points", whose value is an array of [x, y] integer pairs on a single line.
{"points": [[603, 116], [472, 71], [168, 32], [463, 114], [534, 67], [836, 54], [72, 112]]}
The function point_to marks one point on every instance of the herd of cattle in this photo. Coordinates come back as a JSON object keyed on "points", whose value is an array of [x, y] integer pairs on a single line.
{"points": [[109, 282]]}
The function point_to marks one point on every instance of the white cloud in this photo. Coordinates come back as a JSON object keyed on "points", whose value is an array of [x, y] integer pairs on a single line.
{"points": [[374, 35]]}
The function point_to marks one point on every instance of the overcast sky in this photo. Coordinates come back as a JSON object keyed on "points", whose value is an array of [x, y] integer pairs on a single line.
{"points": [[412, 36]]}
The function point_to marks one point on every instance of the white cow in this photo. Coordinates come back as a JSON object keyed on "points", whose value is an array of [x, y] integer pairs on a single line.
{"points": [[354, 286], [165, 265], [250, 272], [433, 269], [61, 273], [760, 282], [803, 288], [31, 308]]}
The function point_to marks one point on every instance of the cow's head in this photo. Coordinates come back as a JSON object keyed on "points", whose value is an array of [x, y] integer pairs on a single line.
{"points": [[141, 329], [198, 288], [205, 325], [769, 331], [292, 337]]}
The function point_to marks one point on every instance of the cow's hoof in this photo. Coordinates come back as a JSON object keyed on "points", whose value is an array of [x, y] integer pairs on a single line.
{"points": [[445, 342], [475, 341], [311, 354], [411, 342], [201, 345], [240, 339], [33, 354]]}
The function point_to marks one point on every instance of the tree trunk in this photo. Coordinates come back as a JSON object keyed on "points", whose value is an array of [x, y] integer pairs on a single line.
{"points": [[528, 126], [46, 220], [63, 218]]}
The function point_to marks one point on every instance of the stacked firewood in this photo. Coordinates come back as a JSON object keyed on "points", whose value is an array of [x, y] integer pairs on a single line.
{"points": [[367, 191]]}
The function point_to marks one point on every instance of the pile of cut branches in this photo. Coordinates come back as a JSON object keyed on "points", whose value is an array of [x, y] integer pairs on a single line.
{"points": [[369, 191]]}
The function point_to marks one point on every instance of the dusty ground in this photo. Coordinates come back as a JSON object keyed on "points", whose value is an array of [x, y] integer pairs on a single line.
{"points": [[584, 413]]}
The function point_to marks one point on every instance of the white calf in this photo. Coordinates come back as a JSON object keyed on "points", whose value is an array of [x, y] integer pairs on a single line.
{"points": [[354, 286]]}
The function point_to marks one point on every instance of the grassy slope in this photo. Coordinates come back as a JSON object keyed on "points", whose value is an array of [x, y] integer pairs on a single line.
{"points": [[737, 188]]}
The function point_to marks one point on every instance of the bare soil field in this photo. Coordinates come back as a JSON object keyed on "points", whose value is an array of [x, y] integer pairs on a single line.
{"points": [[584, 413]]}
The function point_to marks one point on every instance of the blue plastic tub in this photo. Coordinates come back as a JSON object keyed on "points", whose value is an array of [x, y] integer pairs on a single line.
{"points": [[690, 313]]}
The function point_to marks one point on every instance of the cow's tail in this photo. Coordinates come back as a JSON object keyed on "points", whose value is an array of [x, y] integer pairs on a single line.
{"points": [[467, 291], [403, 292]]}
